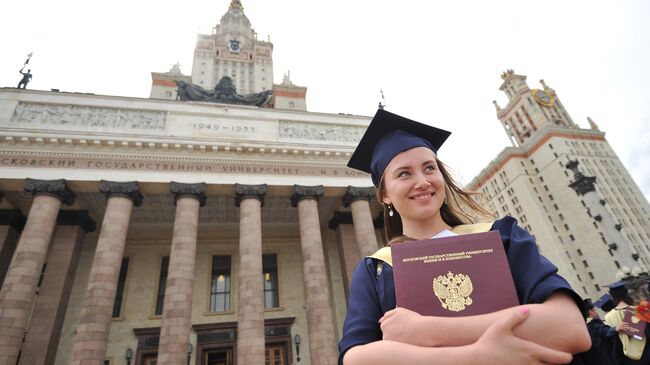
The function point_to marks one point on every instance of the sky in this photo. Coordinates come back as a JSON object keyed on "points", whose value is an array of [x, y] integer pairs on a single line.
{"points": [[438, 62]]}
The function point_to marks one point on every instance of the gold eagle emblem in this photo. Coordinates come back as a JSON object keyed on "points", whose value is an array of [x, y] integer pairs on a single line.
{"points": [[453, 291]]}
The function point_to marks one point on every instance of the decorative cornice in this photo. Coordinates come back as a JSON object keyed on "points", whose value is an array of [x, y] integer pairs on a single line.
{"points": [[249, 191], [12, 218], [182, 190], [301, 192], [55, 188], [338, 219], [76, 218], [128, 189], [357, 193]]}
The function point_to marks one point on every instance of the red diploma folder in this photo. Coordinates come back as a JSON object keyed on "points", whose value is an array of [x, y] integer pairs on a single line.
{"points": [[454, 276], [637, 326]]}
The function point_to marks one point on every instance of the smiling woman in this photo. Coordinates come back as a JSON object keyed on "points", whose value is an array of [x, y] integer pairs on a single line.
{"points": [[421, 201]]}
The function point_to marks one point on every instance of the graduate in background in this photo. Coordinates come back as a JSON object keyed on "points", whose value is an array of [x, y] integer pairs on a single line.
{"points": [[627, 351], [602, 336], [421, 201]]}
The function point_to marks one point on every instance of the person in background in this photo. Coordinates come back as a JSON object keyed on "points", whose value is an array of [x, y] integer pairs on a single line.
{"points": [[627, 351], [421, 200]]}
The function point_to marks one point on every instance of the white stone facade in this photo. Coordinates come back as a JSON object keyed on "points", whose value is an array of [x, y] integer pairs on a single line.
{"points": [[85, 139], [530, 181]]}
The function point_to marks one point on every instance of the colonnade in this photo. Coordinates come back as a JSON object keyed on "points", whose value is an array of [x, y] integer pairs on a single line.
{"points": [[28, 242]]}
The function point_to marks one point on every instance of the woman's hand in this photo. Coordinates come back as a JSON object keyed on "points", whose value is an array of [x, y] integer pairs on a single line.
{"points": [[498, 345], [403, 325]]}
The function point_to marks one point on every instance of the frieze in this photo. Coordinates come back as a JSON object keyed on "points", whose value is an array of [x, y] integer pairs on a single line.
{"points": [[108, 162], [320, 132], [89, 117]]}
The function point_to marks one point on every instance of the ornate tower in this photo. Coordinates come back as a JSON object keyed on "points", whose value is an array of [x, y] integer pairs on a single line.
{"points": [[528, 109], [589, 230], [233, 50]]}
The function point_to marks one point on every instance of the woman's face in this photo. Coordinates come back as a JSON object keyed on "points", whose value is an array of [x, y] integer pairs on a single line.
{"points": [[414, 185]]}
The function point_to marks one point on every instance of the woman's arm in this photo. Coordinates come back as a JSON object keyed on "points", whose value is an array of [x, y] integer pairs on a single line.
{"points": [[497, 345], [556, 324]]}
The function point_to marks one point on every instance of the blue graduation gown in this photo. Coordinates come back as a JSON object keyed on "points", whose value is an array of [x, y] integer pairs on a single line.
{"points": [[535, 279]]}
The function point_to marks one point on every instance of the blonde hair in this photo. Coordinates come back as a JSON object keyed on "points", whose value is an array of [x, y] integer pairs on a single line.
{"points": [[459, 208]]}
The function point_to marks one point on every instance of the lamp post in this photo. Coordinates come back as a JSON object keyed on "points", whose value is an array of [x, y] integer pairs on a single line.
{"points": [[128, 355], [296, 340], [189, 353]]}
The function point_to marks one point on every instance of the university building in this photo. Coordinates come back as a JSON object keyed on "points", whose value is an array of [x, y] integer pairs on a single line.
{"points": [[142, 231], [567, 187], [155, 230]]}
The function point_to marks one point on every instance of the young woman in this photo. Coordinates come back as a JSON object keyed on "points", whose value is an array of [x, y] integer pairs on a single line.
{"points": [[421, 201]]}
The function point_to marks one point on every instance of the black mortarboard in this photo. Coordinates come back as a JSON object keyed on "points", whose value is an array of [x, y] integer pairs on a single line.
{"points": [[617, 284], [605, 303], [388, 135]]}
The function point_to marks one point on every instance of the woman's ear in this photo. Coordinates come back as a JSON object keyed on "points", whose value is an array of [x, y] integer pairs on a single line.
{"points": [[385, 200]]}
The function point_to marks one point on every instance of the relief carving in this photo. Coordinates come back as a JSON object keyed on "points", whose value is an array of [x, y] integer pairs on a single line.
{"points": [[321, 132], [88, 116]]}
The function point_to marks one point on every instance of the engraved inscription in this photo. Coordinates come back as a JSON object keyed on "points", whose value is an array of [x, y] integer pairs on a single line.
{"points": [[320, 132], [87, 116]]}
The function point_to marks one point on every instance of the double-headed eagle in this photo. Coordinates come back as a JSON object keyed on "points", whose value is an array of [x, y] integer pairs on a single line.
{"points": [[453, 291]]}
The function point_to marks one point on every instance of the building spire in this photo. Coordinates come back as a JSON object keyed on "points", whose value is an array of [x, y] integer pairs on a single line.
{"points": [[236, 4]]}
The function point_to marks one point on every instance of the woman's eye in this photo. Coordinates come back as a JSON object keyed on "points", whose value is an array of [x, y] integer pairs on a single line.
{"points": [[430, 168], [403, 173]]}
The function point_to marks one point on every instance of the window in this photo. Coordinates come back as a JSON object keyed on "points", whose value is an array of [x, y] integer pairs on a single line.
{"points": [[220, 287], [119, 293], [162, 285], [270, 270]]}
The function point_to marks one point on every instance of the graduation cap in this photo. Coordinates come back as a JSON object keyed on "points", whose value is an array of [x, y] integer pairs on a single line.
{"points": [[616, 285], [605, 302], [388, 135]]}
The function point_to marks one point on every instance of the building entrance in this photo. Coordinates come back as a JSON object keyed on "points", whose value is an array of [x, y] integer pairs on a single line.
{"points": [[222, 356]]}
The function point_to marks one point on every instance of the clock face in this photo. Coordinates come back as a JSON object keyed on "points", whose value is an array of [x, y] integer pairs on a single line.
{"points": [[233, 46], [543, 97]]}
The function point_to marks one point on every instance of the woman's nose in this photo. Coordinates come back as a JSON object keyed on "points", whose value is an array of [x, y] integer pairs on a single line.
{"points": [[422, 181]]}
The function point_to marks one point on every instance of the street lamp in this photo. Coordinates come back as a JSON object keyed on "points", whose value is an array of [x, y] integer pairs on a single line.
{"points": [[296, 340], [128, 355], [189, 352]]}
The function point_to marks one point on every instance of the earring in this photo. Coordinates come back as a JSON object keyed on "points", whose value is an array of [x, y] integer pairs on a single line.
{"points": [[445, 201], [390, 210]]}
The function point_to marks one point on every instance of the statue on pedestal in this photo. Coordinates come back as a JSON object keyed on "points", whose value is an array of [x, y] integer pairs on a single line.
{"points": [[225, 92], [27, 76]]}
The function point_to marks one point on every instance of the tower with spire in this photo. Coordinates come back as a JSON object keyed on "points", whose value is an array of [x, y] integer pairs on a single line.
{"points": [[529, 109], [566, 185], [233, 50]]}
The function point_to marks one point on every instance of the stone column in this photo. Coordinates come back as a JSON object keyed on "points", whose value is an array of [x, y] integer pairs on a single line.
{"points": [[97, 307], [250, 308], [19, 287], [12, 223], [349, 255], [177, 308], [46, 323], [359, 200], [320, 322]]}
